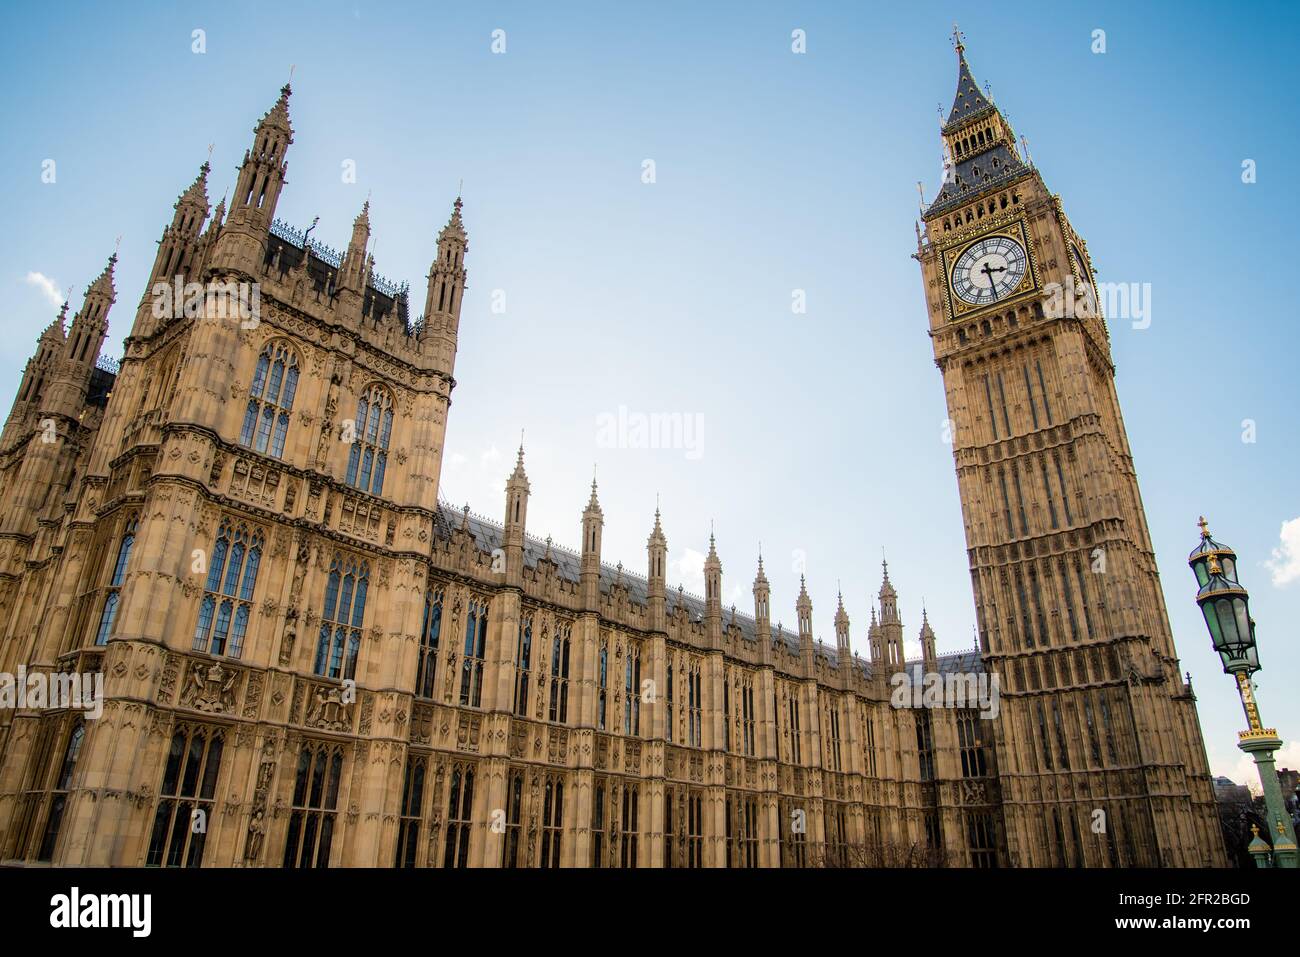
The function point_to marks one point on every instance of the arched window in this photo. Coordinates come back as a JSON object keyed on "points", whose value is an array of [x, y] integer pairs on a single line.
{"points": [[228, 593], [315, 803], [459, 816], [602, 685], [340, 626], [523, 661], [560, 674], [59, 795], [369, 456], [270, 400], [471, 675], [429, 634], [187, 795], [552, 822], [408, 829], [108, 617], [632, 691]]}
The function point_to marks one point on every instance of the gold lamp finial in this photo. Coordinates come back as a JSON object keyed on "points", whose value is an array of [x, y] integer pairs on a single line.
{"points": [[1214, 567], [1204, 527]]}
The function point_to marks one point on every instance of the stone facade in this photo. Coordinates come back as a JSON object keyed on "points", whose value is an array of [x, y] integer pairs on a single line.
{"points": [[309, 659]]}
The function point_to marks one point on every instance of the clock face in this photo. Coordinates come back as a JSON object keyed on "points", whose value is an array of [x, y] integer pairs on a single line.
{"points": [[989, 270]]}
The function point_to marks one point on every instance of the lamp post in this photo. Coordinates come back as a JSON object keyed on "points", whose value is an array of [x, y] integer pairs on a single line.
{"points": [[1225, 603]]}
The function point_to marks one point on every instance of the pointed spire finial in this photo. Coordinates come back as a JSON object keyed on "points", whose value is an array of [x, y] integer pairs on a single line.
{"points": [[957, 39], [1205, 528]]}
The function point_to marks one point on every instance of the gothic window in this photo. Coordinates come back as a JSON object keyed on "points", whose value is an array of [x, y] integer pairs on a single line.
{"points": [[1029, 391], [1043, 738], [1006, 503], [869, 744], [552, 822], [833, 738], [795, 756], [671, 837], [270, 400], [980, 834], [748, 832], [1047, 487], [1073, 622], [598, 825], [988, 395], [602, 685], [747, 716], [1060, 737], [315, 800], [671, 717], [729, 828], [460, 809], [59, 793], [345, 609], [726, 713], [1094, 745], [632, 691], [933, 831], [472, 662], [559, 711], [1065, 492], [1106, 728], [794, 841], [408, 827], [108, 617], [694, 717], [514, 805], [1042, 387], [837, 826], [628, 827], [694, 830], [523, 661], [971, 745], [430, 631], [228, 594], [925, 745], [374, 427], [1020, 499], [186, 798]]}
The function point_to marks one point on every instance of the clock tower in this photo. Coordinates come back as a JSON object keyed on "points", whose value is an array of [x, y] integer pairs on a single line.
{"points": [[1098, 743]]}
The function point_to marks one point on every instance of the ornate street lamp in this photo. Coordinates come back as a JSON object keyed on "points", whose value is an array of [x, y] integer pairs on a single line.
{"points": [[1225, 603]]}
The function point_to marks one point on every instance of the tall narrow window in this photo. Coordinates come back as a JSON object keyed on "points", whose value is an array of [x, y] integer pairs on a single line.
{"points": [[523, 661], [1020, 500], [1047, 488], [59, 794], [1094, 745], [671, 716], [430, 631], [1065, 493], [559, 711], [345, 608], [970, 745], [368, 459], [1042, 385], [795, 756], [632, 691], [833, 740], [1002, 394], [408, 826], [186, 797], [315, 803], [1071, 620], [694, 830], [270, 400], [228, 594], [473, 659], [598, 825], [869, 743], [726, 714], [1029, 391], [108, 617], [460, 809], [1006, 503], [749, 831], [514, 807], [628, 827], [1044, 739], [602, 685], [925, 745], [747, 716], [552, 822], [993, 419], [696, 720]]}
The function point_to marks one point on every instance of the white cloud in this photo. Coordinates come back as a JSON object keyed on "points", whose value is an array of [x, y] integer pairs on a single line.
{"points": [[690, 570], [456, 460], [46, 285], [1245, 771], [1285, 563], [490, 457]]}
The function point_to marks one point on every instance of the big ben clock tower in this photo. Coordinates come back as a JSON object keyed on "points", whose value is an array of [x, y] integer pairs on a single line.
{"points": [[1099, 747]]}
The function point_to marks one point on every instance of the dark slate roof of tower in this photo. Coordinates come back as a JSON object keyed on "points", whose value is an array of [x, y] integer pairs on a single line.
{"points": [[488, 535], [974, 175], [969, 101]]}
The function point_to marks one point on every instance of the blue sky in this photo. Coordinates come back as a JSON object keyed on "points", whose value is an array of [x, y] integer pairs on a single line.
{"points": [[773, 172]]}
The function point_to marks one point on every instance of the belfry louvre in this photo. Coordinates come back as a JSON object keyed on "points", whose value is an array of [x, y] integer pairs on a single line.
{"points": [[309, 659]]}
